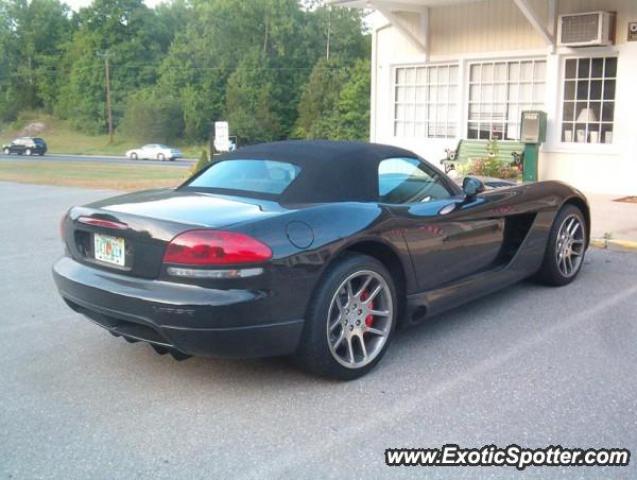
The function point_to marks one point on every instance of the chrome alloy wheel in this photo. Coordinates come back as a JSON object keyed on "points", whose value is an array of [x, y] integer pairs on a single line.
{"points": [[359, 319], [569, 251]]}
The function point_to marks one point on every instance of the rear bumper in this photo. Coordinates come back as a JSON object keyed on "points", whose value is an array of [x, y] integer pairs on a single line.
{"points": [[171, 316]]}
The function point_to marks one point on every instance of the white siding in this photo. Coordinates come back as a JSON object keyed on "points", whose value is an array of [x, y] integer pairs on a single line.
{"points": [[482, 27]]}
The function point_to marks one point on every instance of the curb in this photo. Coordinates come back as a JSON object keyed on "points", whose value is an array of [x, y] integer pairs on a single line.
{"points": [[617, 245]]}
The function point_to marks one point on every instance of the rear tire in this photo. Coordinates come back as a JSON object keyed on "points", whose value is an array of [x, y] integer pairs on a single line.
{"points": [[565, 249], [351, 319], [28, 152], [134, 156], [161, 157], [6, 151]]}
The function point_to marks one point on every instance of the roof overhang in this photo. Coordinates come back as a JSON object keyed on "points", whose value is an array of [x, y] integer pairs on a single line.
{"points": [[405, 5], [392, 9]]}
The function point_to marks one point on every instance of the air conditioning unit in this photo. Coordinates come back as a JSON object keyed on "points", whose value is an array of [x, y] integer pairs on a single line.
{"points": [[591, 29]]}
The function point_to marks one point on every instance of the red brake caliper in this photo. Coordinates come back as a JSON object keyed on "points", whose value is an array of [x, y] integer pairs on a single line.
{"points": [[369, 319]]}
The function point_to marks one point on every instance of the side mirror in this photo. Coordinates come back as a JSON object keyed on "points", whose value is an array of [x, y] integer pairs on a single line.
{"points": [[472, 186]]}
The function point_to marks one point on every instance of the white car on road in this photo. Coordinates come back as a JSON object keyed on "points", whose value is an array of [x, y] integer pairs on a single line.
{"points": [[155, 151]]}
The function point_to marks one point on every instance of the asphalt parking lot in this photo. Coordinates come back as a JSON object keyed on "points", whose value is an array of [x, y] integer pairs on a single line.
{"points": [[530, 365]]}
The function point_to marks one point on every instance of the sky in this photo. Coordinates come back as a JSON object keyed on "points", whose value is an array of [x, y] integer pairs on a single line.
{"points": [[77, 4]]}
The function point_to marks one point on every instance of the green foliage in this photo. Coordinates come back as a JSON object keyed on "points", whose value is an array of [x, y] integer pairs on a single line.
{"points": [[250, 102], [319, 99], [493, 149], [33, 35], [150, 118], [272, 68], [125, 32], [490, 166], [351, 120], [203, 162], [335, 102]]}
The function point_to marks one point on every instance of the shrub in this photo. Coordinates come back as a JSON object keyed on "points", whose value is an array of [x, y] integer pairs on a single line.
{"points": [[150, 118], [491, 166], [203, 162]]}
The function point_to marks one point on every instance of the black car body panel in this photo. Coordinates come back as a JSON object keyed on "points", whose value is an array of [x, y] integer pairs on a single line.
{"points": [[441, 253]]}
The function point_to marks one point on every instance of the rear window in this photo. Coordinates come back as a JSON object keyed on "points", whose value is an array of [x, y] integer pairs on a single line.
{"points": [[258, 176]]}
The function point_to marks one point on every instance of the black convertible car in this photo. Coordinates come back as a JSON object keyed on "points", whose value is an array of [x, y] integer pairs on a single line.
{"points": [[318, 250]]}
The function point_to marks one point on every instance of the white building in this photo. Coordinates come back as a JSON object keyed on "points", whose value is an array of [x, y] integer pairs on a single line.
{"points": [[443, 70]]}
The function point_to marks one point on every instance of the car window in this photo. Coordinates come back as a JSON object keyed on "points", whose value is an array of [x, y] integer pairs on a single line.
{"points": [[257, 176], [408, 180]]}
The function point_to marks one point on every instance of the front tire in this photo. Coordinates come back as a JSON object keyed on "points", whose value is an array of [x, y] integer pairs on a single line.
{"points": [[6, 151], [566, 248], [134, 156], [28, 152], [350, 321], [161, 157]]}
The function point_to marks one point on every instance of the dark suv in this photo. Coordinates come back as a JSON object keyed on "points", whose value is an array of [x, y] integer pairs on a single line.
{"points": [[25, 146]]}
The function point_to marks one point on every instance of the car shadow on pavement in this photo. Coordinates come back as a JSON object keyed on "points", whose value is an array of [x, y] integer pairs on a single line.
{"points": [[440, 340], [435, 349]]}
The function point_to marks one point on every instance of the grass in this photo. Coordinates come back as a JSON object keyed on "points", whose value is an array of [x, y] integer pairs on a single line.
{"points": [[61, 137], [92, 175]]}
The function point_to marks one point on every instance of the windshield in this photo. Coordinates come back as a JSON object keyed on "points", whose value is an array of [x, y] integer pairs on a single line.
{"points": [[257, 176]]}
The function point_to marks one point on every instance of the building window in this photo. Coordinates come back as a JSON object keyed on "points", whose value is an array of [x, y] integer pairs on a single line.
{"points": [[426, 100], [499, 92], [589, 100]]}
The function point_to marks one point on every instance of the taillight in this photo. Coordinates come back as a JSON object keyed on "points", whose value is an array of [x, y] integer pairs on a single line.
{"points": [[215, 247]]}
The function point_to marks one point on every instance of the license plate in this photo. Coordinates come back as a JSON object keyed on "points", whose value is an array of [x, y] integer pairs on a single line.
{"points": [[109, 249]]}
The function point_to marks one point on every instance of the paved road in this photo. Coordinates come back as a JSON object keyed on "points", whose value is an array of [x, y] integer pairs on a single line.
{"points": [[530, 365], [180, 162]]}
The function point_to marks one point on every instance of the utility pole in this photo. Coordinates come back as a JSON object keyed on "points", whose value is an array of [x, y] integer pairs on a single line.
{"points": [[109, 109], [329, 32]]}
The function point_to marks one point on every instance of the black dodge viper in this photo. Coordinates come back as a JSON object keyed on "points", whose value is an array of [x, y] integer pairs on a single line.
{"points": [[314, 249]]}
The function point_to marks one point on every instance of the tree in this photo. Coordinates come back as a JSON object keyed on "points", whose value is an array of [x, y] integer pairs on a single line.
{"points": [[249, 102], [202, 163], [337, 31], [32, 38], [150, 118], [126, 31], [262, 65], [351, 116], [318, 101]]}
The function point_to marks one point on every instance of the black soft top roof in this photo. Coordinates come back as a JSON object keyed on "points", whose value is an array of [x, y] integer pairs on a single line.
{"points": [[330, 171]]}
